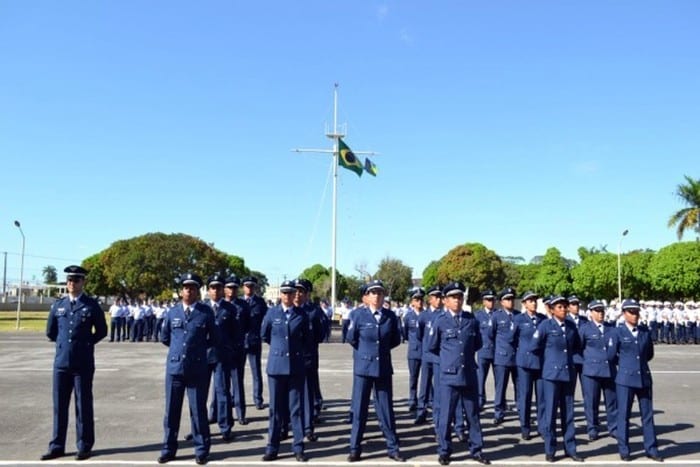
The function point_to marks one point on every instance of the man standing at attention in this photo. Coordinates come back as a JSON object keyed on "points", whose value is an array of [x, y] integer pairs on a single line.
{"points": [[76, 323]]}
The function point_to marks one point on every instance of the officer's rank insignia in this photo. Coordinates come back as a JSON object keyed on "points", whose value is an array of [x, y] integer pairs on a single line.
{"points": [[610, 342], [431, 332], [490, 323], [536, 335]]}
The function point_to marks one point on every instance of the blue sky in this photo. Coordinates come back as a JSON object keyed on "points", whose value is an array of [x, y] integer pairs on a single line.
{"points": [[519, 125]]}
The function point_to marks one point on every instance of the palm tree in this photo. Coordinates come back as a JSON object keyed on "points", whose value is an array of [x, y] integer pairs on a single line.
{"points": [[50, 274], [687, 218]]}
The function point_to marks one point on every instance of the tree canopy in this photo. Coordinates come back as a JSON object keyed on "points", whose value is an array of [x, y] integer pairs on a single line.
{"points": [[396, 277], [687, 218]]}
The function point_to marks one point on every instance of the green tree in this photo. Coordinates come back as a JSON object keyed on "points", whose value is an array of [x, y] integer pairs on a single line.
{"points": [[396, 277], [351, 289], [236, 265], [473, 264], [636, 281], [96, 282], [320, 277], [553, 275], [687, 218], [674, 271], [595, 277], [525, 279], [50, 274], [430, 274]]}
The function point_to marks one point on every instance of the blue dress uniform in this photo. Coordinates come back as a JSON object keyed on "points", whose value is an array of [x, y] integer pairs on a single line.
{"points": [[455, 338], [528, 359], [258, 308], [414, 352], [484, 356], [373, 334], [75, 326], [241, 315], [598, 373], [633, 349], [578, 320], [503, 335], [429, 373], [287, 333], [559, 341], [187, 335]]}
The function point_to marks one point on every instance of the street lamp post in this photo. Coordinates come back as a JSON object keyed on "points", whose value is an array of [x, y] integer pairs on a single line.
{"points": [[619, 268], [21, 274]]}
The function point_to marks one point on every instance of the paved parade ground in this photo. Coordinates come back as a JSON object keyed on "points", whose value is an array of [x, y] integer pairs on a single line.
{"points": [[129, 402]]}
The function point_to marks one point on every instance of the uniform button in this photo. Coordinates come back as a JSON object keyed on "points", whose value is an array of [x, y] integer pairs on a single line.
{"points": [[377, 342], [69, 340], [377, 358], [566, 350], [287, 354], [637, 357], [462, 354], [286, 337]]}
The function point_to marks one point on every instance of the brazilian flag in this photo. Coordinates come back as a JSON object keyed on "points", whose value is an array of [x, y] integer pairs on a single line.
{"points": [[371, 167], [347, 159]]}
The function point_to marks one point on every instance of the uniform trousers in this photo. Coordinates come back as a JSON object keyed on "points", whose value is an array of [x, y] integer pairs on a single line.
{"points": [[383, 397], [66, 382], [591, 387], [311, 382], [286, 403], [254, 353], [454, 399], [237, 388], [413, 374], [529, 379], [558, 395], [196, 387], [501, 374], [115, 327], [222, 389], [429, 377], [482, 372], [625, 398]]}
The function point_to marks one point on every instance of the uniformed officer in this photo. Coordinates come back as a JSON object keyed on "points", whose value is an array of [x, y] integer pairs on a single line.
{"points": [[311, 406], [503, 335], [258, 308], [454, 338], [373, 331], [631, 346], [238, 356], [189, 329], [115, 323], [575, 316], [429, 376], [75, 323], [485, 353], [528, 359], [414, 352], [559, 340], [223, 355], [286, 329], [598, 371]]}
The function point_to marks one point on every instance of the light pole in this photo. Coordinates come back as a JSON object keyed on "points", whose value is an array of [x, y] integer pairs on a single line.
{"points": [[619, 268], [21, 274]]}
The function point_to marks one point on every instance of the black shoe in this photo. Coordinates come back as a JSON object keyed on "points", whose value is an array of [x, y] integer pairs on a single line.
{"points": [[462, 437], [284, 434], [655, 457], [269, 457], [576, 458], [525, 436], [481, 459], [626, 458], [227, 437], [189, 437], [353, 457], [83, 455], [411, 408], [317, 420], [497, 421], [260, 406], [300, 457], [311, 437], [165, 458], [549, 457], [242, 421], [444, 460], [52, 455], [420, 420], [396, 457], [592, 436], [212, 420], [201, 460]]}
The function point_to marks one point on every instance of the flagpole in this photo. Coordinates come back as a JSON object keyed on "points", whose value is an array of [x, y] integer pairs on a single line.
{"points": [[334, 222]]}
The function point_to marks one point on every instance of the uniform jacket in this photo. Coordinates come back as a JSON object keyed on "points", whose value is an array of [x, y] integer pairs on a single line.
{"points": [[503, 335], [228, 326], [287, 340], [595, 349], [527, 355], [632, 355], [188, 339], [411, 335], [425, 323], [318, 331], [258, 309], [558, 348], [485, 325], [373, 341], [75, 330], [578, 357], [456, 346]]}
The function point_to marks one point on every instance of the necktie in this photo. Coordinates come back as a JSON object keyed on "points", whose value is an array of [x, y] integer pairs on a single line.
{"points": [[72, 303], [534, 320], [458, 319], [600, 328], [187, 312], [377, 315]]}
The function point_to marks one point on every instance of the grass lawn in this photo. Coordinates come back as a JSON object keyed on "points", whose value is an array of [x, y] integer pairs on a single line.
{"points": [[30, 321]]}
